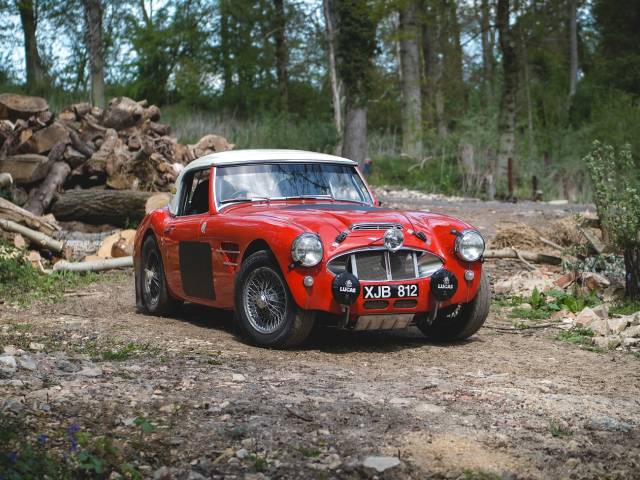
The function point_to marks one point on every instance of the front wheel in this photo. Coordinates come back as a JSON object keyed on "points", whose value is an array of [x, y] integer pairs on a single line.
{"points": [[266, 312], [461, 321], [156, 299]]}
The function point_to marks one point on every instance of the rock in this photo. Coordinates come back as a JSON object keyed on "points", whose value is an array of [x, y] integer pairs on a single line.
{"points": [[13, 406], [380, 464], [66, 366], [90, 372], [523, 284], [594, 281], [617, 325], [525, 306], [27, 363], [630, 342], [238, 377], [631, 332], [242, 453], [565, 280], [634, 319], [600, 327], [8, 365], [607, 343], [602, 311], [38, 347], [163, 473], [586, 317], [11, 350], [193, 475]]}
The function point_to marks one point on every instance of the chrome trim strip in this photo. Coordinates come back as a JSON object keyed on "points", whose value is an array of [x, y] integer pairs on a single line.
{"points": [[375, 226]]}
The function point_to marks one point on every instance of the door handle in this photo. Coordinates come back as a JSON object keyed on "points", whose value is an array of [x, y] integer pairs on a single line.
{"points": [[203, 227], [168, 230]]}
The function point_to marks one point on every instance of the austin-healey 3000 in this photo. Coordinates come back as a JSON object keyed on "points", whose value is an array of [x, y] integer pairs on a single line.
{"points": [[288, 238]]}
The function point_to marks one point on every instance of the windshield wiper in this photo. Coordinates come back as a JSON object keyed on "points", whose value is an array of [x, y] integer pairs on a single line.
{"points": [[315, 197], [245, 199]]}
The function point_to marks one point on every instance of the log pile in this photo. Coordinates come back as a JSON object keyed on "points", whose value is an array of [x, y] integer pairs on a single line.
{"points": [[124, 147], [86, 164]]}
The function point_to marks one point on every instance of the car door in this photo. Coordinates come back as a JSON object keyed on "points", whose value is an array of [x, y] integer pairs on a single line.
{"points": [[189, 257]]}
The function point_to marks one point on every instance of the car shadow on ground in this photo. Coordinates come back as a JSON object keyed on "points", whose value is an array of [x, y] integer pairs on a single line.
{"points": [[323, 339]]}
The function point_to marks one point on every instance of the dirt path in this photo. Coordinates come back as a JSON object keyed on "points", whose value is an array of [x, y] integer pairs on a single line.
{"points": [[502, 405]]}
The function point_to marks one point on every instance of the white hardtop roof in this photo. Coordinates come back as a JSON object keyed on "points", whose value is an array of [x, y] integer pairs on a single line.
{"points": [[234, 157]]}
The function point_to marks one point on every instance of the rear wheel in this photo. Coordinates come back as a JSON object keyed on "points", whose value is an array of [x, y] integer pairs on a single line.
{"points": [[266, 312], [155, 295], [460, 321]]}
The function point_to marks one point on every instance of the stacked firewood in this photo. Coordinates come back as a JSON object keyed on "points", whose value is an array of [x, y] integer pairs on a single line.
{"points": [[84, 164], [122, 148]]}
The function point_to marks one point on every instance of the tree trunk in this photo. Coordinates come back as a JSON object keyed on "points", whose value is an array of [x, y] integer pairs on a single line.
{"points": [[282, 57], [224, 47], [632, 268], [40, 198], [429, 59], [573, 55], [506, 125], [330, 27], [487, 52], [93, 26], [411, 94], [355, 133], [115, 207], [10, 211], [35, 70]]}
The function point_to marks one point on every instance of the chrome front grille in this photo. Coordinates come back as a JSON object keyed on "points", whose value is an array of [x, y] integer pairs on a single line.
{"points": [[379, 264], [375, 226]]}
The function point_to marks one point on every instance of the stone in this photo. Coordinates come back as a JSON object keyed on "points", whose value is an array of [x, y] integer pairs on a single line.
{"points": [[90, 372], [586, 317], [238, 377], [38, 347], [631, 332], [242, 453], [607, 343], [601, 310], [66, 366], [27, 363], [594, 281], [525, 306], [630, 342], [193, 475], [634, 319], [11, 350], [8, 365], [380, 463], [617, 325], [600, 327]]}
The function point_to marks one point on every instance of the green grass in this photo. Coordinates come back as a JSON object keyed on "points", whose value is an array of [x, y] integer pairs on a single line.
{"points": [[543, 305], [470, 474], [625, 306], [579, 336], [21, 283]]}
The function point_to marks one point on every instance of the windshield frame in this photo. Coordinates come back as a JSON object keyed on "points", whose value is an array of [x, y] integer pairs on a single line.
{"points": [[219, 206]]}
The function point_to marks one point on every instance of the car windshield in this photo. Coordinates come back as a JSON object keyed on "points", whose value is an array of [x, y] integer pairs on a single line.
{"points": [[272, 181]]}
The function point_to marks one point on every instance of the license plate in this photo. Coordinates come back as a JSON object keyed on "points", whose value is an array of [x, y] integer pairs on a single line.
{"points": [[390, 291]]}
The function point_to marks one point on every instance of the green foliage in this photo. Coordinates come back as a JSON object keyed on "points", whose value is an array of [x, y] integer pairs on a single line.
{"points": [[626, 306], [579, 336], [543, 305], [22, 283], [616, 184]]}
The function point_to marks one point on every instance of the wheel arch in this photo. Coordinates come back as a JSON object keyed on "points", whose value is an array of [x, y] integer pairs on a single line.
{"points": [[255, 246]]}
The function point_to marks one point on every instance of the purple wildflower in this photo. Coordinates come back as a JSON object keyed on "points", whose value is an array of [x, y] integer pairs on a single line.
{"points": [[42, 439], [13, 457]]}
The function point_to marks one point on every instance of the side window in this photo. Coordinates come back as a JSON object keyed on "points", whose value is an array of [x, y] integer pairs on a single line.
{"points": [[196, 193]]}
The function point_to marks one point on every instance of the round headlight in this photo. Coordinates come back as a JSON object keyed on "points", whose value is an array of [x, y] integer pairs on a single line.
{"points": [[306, 250], [470, 245]]}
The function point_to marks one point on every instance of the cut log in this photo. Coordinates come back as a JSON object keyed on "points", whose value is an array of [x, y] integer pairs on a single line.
{"points": [[94, 266], [210, 144], [522, 254], [161, 129], [5, 180], [37, 238], [80, 145], [152, 113], [26, 168], [594, 242], [80, 109], [13, 106], [40, 198], [159, 200], [115, 207], [43, 140], [9, 211], [121, 113]]}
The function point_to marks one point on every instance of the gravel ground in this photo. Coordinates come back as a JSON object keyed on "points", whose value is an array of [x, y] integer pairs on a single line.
{"points": [[505, 404]]}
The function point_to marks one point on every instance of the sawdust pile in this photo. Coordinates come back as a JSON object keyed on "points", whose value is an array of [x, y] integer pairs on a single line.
{"points": [[518, 236]]}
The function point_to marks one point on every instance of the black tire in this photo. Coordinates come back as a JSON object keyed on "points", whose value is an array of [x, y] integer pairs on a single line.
{"points": [[156, 299], [460, 322], [291, 327]]}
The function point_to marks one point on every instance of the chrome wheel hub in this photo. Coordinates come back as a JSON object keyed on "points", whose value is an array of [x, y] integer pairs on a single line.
{"points": [[151, 281], [265, 300]]}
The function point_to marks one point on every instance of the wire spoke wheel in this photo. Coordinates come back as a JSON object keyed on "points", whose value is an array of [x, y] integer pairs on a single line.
{"points": [[265, 300], [152, 280]]}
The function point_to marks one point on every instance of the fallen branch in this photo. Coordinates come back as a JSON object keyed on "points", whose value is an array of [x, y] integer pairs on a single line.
{"points": [[526, 264], [523, 254], [36, 237], [551, 244], [593, 241], [94, 266]]}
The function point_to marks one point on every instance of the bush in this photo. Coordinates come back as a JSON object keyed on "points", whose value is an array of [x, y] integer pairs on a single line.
{"points": [[616, 185]]}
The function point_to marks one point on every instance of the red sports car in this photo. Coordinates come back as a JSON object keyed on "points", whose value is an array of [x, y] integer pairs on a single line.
{"points": [[287, 238]]}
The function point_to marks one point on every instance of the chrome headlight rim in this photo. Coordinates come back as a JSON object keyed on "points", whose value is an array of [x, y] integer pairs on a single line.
{"points": [[460, 248], [304, 259]]}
